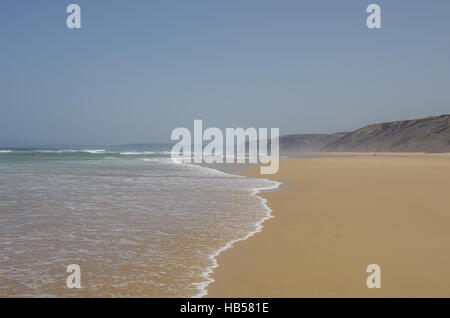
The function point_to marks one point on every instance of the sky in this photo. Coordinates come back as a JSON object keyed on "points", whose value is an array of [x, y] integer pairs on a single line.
{"points": [[138, 69]]}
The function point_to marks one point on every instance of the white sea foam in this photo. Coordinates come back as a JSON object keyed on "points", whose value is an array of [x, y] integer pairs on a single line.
{"points": [[203, 286], [87, 151], [136, 153], [63, 151], [95, 151]]}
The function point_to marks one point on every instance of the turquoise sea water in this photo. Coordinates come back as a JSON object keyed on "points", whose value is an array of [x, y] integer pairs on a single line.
{"points": [[135, 222]]}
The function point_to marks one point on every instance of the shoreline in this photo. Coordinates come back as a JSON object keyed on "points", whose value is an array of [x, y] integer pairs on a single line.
{"points": [[315, 248], [207, 274]]}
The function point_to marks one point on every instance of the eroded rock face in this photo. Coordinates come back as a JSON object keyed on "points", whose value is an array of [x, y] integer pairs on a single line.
{"points": [[431, 134]]}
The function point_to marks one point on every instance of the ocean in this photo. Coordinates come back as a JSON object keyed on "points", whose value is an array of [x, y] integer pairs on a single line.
{"points": [[137, 224]]}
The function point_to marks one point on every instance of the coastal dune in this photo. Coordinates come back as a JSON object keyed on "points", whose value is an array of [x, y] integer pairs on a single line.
{"points": [[336, 215]]}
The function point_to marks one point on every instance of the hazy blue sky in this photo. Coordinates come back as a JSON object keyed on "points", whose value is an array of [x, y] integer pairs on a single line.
{"points": [[138, 69]]}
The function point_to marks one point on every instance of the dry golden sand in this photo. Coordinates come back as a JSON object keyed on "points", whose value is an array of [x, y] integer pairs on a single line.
{"points": [[336, 215]]}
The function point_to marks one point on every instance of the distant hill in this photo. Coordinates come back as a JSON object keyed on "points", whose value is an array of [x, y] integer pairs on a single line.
{"points": [[431, 134]]}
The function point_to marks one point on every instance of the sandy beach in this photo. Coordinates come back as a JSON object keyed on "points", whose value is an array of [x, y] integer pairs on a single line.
{"points": [[334, 216]]}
